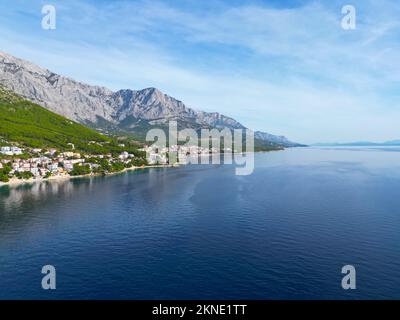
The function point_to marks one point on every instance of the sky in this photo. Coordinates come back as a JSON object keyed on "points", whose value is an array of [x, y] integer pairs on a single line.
{"points": [[284, 67]]}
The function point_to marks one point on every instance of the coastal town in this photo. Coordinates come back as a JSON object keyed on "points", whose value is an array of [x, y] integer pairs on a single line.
{"points": [[21, 164], [37, 163], [184, 153]]}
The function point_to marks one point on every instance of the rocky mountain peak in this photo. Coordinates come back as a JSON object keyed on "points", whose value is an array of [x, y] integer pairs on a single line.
{"points": [[87, 103]]}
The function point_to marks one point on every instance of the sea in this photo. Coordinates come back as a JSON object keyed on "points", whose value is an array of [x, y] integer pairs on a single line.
{"points": [[202, 232]]}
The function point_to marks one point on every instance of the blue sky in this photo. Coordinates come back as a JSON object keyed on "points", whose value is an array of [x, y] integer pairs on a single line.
{"points": [[285, 67]]}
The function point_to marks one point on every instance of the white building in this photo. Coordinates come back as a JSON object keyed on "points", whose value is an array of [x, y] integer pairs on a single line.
{"points": [[35, 171], [69, 164], [156, 158], [67, 154], [124, 155], [52, 151], [26, 167], [11, 151], [16, 151], [94, 166], [53, 167]]}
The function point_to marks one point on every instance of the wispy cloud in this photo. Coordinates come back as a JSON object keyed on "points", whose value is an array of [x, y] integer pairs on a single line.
{"points": [[287, 69]]}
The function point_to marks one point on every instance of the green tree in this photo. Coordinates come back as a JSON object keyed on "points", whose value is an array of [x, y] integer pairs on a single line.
{"points": [[4, 177], [24, 175], [80, 170]]}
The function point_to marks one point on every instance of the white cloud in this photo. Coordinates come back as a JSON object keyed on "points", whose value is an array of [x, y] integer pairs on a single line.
{"points": [[315, 81]]}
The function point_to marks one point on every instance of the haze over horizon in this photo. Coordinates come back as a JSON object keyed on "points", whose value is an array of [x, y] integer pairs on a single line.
{"points": [[284, 67]]}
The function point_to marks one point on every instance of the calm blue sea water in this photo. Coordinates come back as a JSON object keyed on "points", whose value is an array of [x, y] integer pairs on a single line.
{"points": [[201, 232]]}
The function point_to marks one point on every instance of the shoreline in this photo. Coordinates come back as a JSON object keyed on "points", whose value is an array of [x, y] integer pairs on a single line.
{"points": [[14, 182], [17, 182]]}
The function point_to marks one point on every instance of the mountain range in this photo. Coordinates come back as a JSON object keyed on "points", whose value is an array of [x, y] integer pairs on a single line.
{"points": [[391, 143], [133, 111], [31, 125]]}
